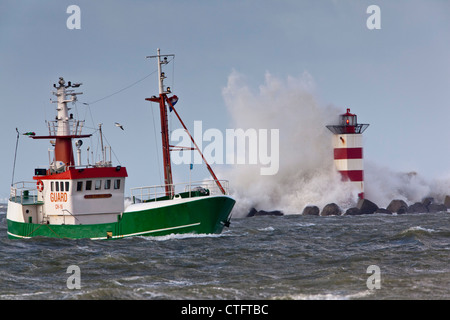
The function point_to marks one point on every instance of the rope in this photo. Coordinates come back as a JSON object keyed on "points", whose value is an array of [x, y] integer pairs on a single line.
{"points": [[123, 89], [157, 148], [15, 156]]}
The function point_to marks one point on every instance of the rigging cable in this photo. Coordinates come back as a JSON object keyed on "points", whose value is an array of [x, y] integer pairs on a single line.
{"points": [[88, 104], [15, 156], [123, 89], [156, 144]]}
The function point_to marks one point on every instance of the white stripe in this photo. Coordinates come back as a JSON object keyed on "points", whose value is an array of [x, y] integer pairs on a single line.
{"points": [[347, 141], [349, 164], [358, 185], [15, 235], [149, 231]]}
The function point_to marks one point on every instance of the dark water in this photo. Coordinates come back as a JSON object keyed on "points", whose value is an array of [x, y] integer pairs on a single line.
{"points": [[290, 257]]}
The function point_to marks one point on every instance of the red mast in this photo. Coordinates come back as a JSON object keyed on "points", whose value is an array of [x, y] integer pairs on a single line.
{"points": [[164, 123], [165, 128]]}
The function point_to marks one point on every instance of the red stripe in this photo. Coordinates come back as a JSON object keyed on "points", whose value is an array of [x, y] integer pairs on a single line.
{"points": [[348, 153], [98, 196], [352, 175], [87, 173]]}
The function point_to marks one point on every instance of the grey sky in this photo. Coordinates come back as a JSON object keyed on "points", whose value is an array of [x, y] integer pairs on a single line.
{"points": [[397, 78]]}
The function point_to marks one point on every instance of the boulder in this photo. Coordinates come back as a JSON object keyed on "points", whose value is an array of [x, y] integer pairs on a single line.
{"points": [[311, 211], [417, 207], [427, 201], [331, 209], [383, 211], [253, 212], [366, 206], [402, 210], [270, 213], [398, 206], [447, 201], [436, 207], [432, 206], [353, 212]]}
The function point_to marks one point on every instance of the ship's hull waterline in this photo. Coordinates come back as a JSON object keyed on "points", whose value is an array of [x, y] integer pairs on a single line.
{"points": [[202, 215]]}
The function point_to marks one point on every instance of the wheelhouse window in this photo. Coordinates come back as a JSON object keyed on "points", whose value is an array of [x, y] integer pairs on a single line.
{"points": [[61, 184], [98, 184], [57, 186], [67, 185], [117, 184], [79, 185], [52, 184], [107, 184], [89, 185]]}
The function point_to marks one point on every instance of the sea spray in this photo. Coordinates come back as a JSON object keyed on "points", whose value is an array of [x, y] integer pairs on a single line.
{"points": [[383, 184], [306, 173]]}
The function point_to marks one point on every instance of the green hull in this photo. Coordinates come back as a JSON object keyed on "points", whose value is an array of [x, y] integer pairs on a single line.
{"points": [[205, 215]]}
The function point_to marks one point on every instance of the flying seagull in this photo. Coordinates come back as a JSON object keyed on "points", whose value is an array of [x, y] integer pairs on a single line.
{"points": [[119, 125]]}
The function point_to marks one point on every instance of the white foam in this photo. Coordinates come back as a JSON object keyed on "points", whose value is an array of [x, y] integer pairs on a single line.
{"points": [[267, 229], [419, 228], [174, 236], [328, 296]]}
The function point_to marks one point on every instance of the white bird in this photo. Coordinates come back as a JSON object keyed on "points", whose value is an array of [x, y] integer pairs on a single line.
{"points": [[119, 125]]}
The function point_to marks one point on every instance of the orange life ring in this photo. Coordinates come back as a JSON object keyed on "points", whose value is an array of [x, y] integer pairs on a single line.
{"points": [[40, 185]]}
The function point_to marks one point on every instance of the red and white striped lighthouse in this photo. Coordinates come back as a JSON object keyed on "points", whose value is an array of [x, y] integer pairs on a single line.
{"points": [[348, 149]]}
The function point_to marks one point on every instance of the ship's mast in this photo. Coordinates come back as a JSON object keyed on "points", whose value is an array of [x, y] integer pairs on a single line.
{"points": [[63, 146], [61, 129], [165, 128], [164, 121]]}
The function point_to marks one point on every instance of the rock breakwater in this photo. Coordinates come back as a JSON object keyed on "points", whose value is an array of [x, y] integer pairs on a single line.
{"points": [[365, 206]]}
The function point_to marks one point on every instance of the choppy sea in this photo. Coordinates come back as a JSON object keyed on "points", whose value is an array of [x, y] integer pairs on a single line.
{"points": [[291, 257]]}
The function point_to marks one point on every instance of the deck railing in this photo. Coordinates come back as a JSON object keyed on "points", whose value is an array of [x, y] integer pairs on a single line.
{"points": [[75, 125], [180, 190], [24, 192]]}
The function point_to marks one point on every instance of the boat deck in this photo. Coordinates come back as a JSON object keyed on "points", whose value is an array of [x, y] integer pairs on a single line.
{"points": [[24, 193], [26, 200], [190, 190]]}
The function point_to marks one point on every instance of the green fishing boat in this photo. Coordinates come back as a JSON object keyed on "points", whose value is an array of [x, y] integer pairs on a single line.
{"points": [[68, 200]]}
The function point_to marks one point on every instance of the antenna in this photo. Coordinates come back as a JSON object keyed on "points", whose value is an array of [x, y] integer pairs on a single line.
{"points": [[161, 74], [101, 142]]}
